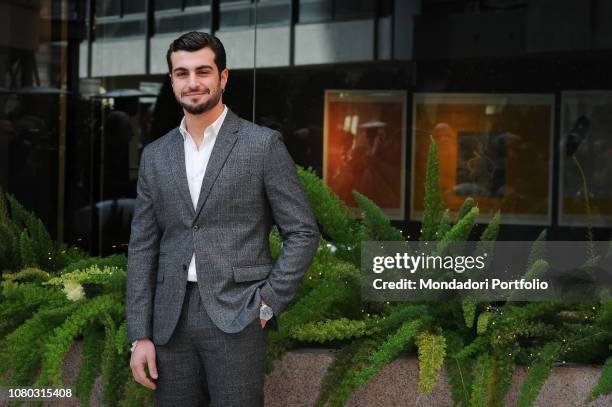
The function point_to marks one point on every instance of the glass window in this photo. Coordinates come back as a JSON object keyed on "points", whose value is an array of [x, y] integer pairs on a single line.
{"points": [[234, 13], [108, 8], [120, 29], [170, 18], [134, 6], [239, 13], [110, 23], [354, 9], [586, 148], [168, 4], [182, 23], [273, 12], [312, 11], [493, 147], [385, 8], [34, 127], [521, 111], [194, 3]]}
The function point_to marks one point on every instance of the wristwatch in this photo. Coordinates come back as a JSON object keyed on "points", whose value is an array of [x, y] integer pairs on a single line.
{"points": [[134, 345], [265, 312]]}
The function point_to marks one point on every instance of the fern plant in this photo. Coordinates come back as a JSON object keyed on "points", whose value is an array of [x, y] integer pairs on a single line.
{"points": [[479, 344]]}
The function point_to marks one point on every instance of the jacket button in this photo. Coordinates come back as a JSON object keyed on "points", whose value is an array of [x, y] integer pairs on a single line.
{"points": [[184, 267], [195, 227]]}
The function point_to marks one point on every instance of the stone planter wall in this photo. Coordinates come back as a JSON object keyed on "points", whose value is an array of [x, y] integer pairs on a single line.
{"points": [[295, 380]]}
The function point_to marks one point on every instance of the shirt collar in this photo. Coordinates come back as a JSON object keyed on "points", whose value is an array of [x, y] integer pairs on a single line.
{"points": [[215, 126]]}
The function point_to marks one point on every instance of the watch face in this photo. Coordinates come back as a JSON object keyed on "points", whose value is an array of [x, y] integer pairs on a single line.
{"points": [[266, 313]]}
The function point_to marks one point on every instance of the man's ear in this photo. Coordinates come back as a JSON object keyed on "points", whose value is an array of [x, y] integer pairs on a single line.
{"points": [[224, 76]]}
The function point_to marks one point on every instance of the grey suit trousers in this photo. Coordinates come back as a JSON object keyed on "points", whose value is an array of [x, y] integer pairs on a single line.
{"points": [[203, 366]]}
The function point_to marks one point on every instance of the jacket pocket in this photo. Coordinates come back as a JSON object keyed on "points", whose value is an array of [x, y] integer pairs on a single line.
{"points": [[251, 273]]}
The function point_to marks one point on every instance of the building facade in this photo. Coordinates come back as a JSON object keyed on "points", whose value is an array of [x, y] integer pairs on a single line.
{"points": [[516, 93]]}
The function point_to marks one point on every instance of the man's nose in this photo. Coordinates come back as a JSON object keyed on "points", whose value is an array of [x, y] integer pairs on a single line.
{"points": [[193, 80]]}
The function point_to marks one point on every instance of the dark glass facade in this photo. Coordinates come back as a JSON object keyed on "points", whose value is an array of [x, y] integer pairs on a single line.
{"points": [[502, 89]]}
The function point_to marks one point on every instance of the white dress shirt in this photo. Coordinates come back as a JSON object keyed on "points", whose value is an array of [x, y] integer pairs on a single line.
{"points": [[196, 162]]}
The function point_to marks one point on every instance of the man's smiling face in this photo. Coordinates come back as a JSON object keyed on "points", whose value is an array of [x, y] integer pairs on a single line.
{"points": [[196, 81]]}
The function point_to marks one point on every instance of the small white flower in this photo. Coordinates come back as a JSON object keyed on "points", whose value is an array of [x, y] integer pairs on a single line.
{"points": [[74, 291]]}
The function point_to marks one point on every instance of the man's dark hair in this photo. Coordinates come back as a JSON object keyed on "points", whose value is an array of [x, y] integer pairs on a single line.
{"points": [[194, 41]]}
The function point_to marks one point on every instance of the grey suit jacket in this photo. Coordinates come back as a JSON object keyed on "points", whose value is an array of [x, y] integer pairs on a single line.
{"points": [[250, 184]]}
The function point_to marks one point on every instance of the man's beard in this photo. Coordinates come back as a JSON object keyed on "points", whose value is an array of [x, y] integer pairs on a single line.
{"points": [[204, 106]]}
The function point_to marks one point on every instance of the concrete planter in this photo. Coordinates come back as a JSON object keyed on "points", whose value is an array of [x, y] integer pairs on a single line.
{"points": [[296, 378]]}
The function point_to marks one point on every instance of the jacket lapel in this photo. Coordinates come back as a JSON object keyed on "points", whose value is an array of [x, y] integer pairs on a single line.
{"points": [[228, 134], [177, 164]]}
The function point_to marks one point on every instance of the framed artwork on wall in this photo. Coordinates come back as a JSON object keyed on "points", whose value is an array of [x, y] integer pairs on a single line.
{"points": [[364, 144], [586, 158], [495, 148]]}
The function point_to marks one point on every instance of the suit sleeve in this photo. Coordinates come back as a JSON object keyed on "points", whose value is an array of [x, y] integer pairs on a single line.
{"points": [[143, 252], [296, 224]]}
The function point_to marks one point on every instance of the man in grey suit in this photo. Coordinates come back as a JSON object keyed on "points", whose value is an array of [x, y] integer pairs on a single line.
{"points": [[201, 284]]}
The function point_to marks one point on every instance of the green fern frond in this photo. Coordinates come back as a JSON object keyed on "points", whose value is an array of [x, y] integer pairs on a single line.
{"points": [[459, 371], [481, 382], [377, 223], [433, 204], [465, 208], [27, 274], [432, 351], [20, 350], [389, 350], [336, 220], [26, 248], [462, 229], [469, 311], [330, 330], [538, 373], [444, 225], [91, 359], [63, 336], [604, 383], [483, 322], [538, 249]]}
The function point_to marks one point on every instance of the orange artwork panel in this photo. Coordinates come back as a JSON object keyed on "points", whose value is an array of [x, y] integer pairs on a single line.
{"points": [[364, 147], [494, 148]]}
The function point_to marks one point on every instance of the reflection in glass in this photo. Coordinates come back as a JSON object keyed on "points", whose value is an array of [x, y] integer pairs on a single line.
{"points": [[481, 163], [183, 22], [134, 6], [114, 22], [364, 141], [30, 126], [193, 3], [354, 9], [312, 11], [586, 154], [120, 29], [108, 8], [33, 98], [318, 11], [118, 122], [240, 13], [168, 4], [495, 148]]}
